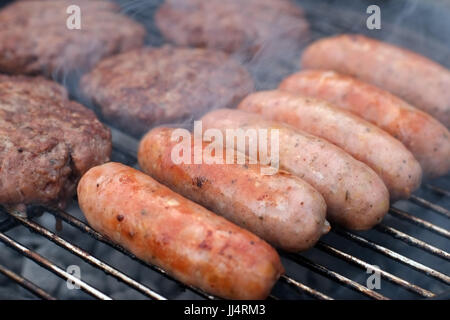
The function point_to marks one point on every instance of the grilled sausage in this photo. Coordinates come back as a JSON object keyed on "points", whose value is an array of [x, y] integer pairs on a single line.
{"points": [[191, 243], [356, 197], [280, 208], [412, 77], [387, 156], [424, 136]]}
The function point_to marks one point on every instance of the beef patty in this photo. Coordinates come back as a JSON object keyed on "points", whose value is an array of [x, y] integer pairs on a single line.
{"points": [[34, 38], [46, 142], [249, 26], [142, 88]]}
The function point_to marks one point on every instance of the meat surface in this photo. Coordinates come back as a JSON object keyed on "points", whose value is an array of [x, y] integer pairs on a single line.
{"points": [[412, 77], [277, 206], [356, 197], [34, 38], [233, 25], [46, 142], [189, 242], [424, 136], [141, 88], [387, 156]]}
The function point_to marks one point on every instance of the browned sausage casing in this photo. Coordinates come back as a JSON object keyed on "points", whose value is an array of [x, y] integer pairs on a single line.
{"points": [[280, 208], [414, 78], [191, 243], [424, 136], [356, 197], [366, 142]]}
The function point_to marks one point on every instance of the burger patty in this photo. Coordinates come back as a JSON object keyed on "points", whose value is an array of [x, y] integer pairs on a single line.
{"points": [[34, 37], [46, 142], [145, 87], [248, 26]]}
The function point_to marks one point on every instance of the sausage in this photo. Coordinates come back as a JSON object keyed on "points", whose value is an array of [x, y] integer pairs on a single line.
{"points": [[191, 243], [414, 78], [280, 208], [424, 136], [356, 197], [387, 156]]}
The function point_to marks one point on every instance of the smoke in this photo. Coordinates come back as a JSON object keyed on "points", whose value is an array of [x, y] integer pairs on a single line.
{"points": [[419, 25], [406, 12], [143, 11]]}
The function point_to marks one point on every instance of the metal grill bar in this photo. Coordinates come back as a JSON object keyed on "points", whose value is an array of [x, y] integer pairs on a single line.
{"points": [[87, 257], [52, 267], [437, 190], [300, 286], [417, 221], [335, 276], [413, 241], [91, 232], [429, 205], [320, 269], [25, 283], [394, 255], [85, 228], [360, 263]]}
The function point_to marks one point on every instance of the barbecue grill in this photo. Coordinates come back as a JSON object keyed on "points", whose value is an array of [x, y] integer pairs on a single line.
{"points": [[410, 249]]}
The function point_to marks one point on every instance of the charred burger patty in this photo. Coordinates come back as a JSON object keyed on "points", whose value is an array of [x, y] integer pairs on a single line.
{"points": [[46, 142], [141, 88], [231, 25], [35, 39]]}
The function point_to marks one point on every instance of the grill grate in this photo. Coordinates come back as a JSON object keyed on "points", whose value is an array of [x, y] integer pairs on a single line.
{"points": [[28, 285], [126, 151], [305, 272]]}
